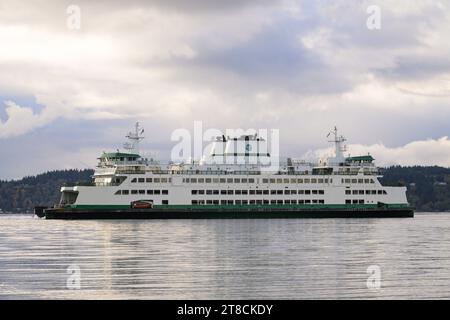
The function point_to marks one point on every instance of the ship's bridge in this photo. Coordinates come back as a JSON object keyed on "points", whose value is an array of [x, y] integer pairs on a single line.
{"points": [[341, 165], [109, 159], [119, 162], [350, 166], [366, 160]]}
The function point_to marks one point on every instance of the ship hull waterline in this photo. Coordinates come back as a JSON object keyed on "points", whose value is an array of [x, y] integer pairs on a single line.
{"points": [[260, 213]]}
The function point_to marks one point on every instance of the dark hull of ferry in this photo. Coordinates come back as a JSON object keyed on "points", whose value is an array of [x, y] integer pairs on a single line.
{"points": [[79, 214]]}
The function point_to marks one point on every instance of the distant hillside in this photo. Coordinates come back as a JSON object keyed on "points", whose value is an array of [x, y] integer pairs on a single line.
{"points": [[41, 190], [428, 187]]}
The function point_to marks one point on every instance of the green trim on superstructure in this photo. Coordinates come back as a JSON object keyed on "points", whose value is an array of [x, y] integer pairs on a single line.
{"points": [[367, 158], [119, 155]]}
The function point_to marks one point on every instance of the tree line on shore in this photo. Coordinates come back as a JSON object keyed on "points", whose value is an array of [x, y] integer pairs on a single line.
{"points": [[42, 190]]}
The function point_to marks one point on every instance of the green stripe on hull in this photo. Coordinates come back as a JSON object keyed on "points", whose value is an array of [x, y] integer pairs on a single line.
{"points": [[274, 206], [299, 206]]}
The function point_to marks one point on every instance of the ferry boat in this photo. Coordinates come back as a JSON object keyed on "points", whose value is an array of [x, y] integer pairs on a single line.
{"points": [[128, 186]]}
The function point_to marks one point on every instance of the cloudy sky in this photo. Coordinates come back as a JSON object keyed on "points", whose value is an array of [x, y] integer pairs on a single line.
{"points": [[68, 93]]}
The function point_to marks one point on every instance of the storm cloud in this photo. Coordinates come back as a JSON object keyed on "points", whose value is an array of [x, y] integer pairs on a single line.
{"points": [[299, 66]]}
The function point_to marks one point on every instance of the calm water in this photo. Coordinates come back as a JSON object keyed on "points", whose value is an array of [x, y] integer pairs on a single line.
{"points": [[225, 259]]}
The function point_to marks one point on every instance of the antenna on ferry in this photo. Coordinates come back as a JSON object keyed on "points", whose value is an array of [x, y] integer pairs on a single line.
{"points": [[134, 138]]}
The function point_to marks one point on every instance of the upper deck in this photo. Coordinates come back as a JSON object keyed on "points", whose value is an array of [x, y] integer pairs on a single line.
{"points": [[245, 155]]}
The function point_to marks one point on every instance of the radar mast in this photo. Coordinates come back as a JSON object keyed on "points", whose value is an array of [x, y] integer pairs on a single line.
{"points": [[132, 146]]}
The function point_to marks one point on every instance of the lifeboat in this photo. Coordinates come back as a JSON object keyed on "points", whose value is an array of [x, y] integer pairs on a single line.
{"points": [[142, 204]]}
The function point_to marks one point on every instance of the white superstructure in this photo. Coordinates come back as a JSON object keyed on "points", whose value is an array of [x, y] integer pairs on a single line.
{"points": [[234, 175]]}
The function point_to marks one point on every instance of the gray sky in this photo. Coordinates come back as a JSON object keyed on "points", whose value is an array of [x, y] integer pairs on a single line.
{"points": [[299, 66]]}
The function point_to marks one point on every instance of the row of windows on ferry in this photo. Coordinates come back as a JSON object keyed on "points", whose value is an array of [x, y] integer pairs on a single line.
{"points": [[347, 181], [367, 192], [251, 180], [230, 180], [250, 202], [255, 192], [286, 192], [252, 192], [127, 192], [225, 192], [246, 202], [151, 180]]}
